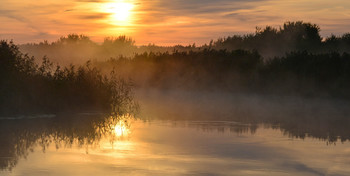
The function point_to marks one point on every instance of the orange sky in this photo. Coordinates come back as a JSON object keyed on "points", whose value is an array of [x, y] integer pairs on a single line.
{"points": [[163, 22]]}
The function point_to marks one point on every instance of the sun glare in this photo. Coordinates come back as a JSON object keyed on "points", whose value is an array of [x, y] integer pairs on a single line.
{"points": [[121, 129], [120, 11]]}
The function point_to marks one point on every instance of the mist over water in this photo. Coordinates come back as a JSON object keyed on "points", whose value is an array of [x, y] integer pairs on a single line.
{"points": [[179, 132], [325, 119], [270, 103], [186, 133]]}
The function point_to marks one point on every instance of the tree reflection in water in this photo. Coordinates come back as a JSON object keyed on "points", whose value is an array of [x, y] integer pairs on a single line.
{"points": [[19, 137]]}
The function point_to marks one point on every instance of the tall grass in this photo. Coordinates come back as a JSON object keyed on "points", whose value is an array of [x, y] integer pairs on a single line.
{"points": [[27, 87]]}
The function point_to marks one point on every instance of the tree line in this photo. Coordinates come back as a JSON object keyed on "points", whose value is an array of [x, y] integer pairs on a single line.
{"points": [[297, 73], [292, 36], [268, 41]]}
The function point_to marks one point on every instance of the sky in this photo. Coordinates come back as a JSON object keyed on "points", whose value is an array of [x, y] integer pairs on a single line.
{"points": [[163, 22]]}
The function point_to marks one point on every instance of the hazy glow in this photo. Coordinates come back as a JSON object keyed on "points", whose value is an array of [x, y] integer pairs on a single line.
{"points": [[121, 129], [165, 149], [120, 12], [163, 22]]}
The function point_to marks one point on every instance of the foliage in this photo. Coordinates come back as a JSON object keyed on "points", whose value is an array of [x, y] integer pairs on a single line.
{"points": [[297, 73], [27, 87], [270, 41]]}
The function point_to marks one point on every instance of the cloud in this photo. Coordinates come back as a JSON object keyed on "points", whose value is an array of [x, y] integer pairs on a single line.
{"points": [[13, 15], [95, 16], [249, 17], [152, 19], [69, 10], [207, 6], [208, 12], [301, 167], [97, 1]]}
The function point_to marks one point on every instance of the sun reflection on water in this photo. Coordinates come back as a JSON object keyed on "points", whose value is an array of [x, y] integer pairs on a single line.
{"points": [[116, 127], [115, 141], [121, 129]]}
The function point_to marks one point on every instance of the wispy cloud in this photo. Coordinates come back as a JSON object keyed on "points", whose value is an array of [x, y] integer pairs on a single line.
{"points": [[69, 10], [99, 1], [94, 16], [166, 21]]}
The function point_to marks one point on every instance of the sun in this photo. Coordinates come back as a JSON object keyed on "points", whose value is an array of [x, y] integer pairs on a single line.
{"points": [[120, 11]]}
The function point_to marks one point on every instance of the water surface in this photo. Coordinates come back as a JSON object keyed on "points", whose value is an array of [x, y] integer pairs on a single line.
{"points": [[247, 143]]}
